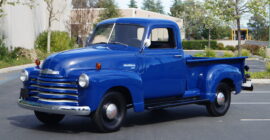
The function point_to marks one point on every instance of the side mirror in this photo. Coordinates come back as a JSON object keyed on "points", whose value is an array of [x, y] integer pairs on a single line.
{"points": [[147, 43]]}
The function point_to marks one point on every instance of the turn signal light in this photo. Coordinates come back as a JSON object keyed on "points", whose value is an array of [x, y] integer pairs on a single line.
{"points": [[98, 66], [37, 61]]}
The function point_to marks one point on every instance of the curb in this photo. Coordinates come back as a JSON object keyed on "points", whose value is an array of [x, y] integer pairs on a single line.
{"points": [[15, 68], [260, 81]]}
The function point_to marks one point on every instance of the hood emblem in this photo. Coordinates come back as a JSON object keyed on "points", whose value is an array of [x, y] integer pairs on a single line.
{"points": [[49, 71]]}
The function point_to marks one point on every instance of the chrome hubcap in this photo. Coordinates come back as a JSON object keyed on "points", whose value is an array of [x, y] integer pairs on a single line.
{"points": [[220, 98], [111, 111]]}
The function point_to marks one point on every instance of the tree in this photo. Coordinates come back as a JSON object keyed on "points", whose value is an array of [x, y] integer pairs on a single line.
{"points": [[233, 10], [110, 10], [259, 27], [132, 4], [192, 14], [53, 15], [152, 5], [159, 7]]}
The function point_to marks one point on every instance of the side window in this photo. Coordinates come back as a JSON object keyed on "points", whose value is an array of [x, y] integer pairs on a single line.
{"points": [[162, 38]]}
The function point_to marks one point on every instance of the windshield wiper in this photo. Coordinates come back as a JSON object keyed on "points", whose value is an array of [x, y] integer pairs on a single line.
{"points": [[115, 42]]}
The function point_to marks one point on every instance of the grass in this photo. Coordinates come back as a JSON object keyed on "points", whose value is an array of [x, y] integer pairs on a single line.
{"points": [[14, 62], [259, 75]]}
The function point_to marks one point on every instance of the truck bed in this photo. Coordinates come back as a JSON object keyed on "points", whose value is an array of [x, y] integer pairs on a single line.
{"points": [[199, 67]]}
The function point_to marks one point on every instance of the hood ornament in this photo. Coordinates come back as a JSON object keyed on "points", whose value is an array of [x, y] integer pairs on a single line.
{"points": [[49, 71]]}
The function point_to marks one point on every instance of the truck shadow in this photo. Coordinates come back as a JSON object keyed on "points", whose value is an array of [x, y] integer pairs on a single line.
{"points": [[74, 124]]}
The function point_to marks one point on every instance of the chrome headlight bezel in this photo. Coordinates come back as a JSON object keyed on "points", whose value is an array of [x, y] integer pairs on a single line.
{"points": [[84, 80], [24, 76]]}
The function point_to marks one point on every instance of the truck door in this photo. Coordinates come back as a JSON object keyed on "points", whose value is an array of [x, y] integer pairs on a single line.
{"points": [[164, 67]]}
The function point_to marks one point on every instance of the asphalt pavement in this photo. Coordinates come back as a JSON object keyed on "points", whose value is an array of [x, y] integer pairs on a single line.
{"points": [[248, 118]]}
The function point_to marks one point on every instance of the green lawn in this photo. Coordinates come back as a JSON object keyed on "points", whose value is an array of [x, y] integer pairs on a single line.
{"points": [[13, 62]]}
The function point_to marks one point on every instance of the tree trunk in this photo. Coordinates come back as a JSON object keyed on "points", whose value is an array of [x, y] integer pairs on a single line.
{"points": [[239, 37], [49, 40], [209, 38]]}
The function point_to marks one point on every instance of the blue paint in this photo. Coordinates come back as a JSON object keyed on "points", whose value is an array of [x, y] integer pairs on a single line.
{"points": [[146, 74]]}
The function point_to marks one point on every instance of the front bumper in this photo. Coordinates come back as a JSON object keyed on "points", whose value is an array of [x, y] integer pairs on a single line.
{"points": [[56, 109]]}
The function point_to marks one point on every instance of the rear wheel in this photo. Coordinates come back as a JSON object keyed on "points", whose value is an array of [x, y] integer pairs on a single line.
{"points": [[222, 101], [111, 113], [48, 118]]}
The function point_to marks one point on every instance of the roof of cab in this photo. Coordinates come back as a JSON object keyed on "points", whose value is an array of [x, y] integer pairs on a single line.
{"points": [[141, 21]]}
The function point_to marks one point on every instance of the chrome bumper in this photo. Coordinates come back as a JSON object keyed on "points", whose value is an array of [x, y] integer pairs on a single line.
{"points": [[56, 109], [247, 86]]}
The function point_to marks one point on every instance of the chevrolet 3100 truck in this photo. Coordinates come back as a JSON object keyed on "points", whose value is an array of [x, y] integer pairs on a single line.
{"points": [[134, 63]]}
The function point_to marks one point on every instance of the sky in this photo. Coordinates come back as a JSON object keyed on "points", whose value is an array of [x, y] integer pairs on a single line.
{"points": [[167, 4]]}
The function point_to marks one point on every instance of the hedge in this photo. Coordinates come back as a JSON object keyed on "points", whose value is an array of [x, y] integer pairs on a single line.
{"points": [[199, 44]]}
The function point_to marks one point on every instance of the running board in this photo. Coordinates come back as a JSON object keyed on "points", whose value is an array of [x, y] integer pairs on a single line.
{"points": [[167, 104]]}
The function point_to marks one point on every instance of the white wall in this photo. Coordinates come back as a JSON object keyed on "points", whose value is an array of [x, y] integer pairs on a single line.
{"points": [[22, 25]]}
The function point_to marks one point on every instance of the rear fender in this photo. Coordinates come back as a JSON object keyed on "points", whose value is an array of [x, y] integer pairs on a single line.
{"points": [[221, 72]]}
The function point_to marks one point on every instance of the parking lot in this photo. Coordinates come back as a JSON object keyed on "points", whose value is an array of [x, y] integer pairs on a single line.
{"points": [[248, 118]]}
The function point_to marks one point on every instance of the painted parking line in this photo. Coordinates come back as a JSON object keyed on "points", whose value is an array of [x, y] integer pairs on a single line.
{"points": [[257, 92], [250, 103], [254, 120]]}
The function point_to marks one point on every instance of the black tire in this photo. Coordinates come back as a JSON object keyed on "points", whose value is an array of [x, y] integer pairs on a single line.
{"points": [[214, 108], [49, 119], [102, 121]]}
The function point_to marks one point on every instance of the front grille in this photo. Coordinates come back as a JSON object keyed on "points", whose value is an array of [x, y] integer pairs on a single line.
{"points": [[54, 89]]}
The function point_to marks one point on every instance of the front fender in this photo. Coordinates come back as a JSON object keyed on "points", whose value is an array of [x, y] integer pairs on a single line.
{"points": [[101, 81], [218, 73]]}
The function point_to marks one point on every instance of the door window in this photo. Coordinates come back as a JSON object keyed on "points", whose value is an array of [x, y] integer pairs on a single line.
{"points": [[162, 38]]}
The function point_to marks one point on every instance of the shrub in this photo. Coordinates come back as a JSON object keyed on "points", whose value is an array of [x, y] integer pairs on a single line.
{"points": [[231, 48], [254, 49], [199, 55], [198, 44], [210, 53], [262, 52], [206, 53], [267, 66], [228, 54], [245, 52], [59, 41], [3, 50], [220, 46]]}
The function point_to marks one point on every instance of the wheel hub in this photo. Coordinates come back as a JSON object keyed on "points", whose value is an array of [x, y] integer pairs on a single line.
{"points": [[220, 98], [111, 111]]}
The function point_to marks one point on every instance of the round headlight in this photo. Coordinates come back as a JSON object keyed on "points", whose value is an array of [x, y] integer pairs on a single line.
{"points": [[84, 81], [24, 75]]}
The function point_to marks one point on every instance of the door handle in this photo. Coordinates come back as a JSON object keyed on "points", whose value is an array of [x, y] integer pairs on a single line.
{"points": [[178, 56]]}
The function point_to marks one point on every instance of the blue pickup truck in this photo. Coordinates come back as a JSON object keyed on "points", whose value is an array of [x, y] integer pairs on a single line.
{"points": [[127, 63]]}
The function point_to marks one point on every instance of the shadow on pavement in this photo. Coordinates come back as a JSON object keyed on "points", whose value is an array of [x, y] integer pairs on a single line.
{"points": [[74, 124]]}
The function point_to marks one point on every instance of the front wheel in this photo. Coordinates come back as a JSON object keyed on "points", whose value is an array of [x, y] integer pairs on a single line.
{"points": [[222, 101], [48, 118], [111, 112]]}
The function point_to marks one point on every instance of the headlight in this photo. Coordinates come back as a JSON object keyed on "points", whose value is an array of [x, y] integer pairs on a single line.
{"points": [[24, 75], [84, 81]]}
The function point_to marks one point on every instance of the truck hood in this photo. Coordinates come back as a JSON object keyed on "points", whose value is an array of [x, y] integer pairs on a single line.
{"points": [[110, 57]]}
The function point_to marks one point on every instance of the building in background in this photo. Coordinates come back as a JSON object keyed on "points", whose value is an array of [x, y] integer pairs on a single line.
{"points": [[244, 34], [21, 24]]}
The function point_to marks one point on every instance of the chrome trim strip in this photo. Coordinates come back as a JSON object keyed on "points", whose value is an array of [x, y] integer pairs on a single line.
{"points": [[57, 94], [57, 109], [64, 83], [49, 71], [57, 101], [57, 88]]}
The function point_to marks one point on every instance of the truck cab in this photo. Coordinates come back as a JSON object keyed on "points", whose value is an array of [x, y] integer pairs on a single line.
{"points": [[134, 63]]}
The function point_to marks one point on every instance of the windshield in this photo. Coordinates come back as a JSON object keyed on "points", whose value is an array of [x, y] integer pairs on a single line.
{"points": [[122, 34]]}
